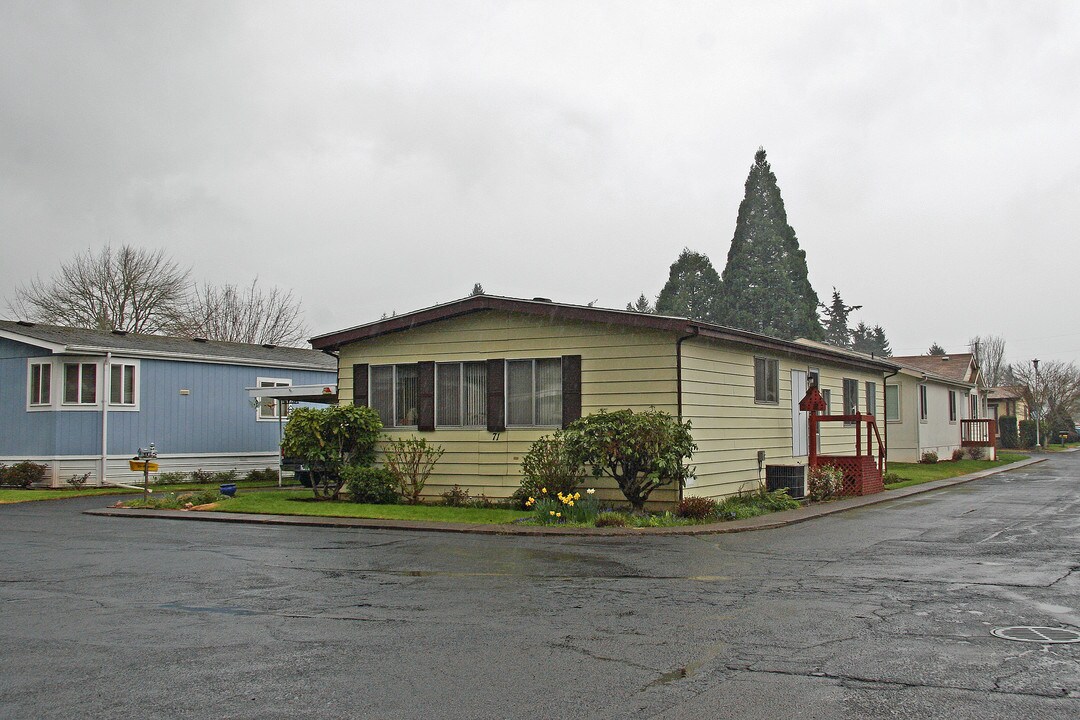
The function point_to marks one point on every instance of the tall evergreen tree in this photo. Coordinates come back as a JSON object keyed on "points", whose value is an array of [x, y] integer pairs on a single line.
{"points": [[692, 288], [936, 349], [836, 314], [641, 305], [870, 340], [765, 284], [883, 347], [477, 289]]}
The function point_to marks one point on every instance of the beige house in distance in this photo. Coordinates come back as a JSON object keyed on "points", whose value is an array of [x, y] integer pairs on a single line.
{"points": [[930, 401], [485, 376]]}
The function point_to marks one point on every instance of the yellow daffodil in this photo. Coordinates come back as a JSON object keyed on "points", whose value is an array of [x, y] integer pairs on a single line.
{"points": [[558, 514], [543, 490], [571, 503], [551, 512], [577, 496]]}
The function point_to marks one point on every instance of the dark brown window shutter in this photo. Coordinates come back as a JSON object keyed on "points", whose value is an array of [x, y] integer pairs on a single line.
{"points": [[571, 388], [359, 385], [496, 406], [426, 411]]}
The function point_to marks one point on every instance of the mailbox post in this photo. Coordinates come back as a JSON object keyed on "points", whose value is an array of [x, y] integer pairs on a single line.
{"points": [[144, 456]]}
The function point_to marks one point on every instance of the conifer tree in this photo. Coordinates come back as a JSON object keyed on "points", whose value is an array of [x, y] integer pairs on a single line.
{"points": [[870, 340], [641, 305], [765, 285], [936, 349], [692, 288], [477, 289], [836, 321]]}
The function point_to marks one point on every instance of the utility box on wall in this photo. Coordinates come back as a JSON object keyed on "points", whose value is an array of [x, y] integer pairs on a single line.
{"points": [[787, 477]]}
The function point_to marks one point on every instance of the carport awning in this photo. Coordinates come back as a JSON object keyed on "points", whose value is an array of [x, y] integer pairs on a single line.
{"points": [[297, 393]]}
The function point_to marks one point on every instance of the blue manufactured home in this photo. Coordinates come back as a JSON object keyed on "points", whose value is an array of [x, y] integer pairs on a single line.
{"points": [[86, 400]]}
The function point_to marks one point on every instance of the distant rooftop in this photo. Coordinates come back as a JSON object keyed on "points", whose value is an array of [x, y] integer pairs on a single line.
{"points": [[80, 340]]}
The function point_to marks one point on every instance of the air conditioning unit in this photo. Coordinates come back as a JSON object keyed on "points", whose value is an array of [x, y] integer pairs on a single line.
{"points": [[787, 477]]}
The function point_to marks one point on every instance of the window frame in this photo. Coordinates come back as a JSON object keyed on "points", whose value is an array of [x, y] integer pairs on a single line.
{"points": [[33, 404], [136, 399], [79, 404], [534, 394], [952, 407], [850, 398], [871, 398], [277, 382], [765, 363], [924, 411], [460, 364], [393, 393], [897, 406]]}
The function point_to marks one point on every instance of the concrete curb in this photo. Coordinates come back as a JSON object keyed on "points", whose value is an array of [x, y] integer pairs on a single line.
{"points": [[764, 522]]}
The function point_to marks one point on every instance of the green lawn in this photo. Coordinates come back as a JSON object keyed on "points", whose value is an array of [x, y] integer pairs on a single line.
{"points": [[301, 502], [917, 473], [1057, 447], [17, 495]]}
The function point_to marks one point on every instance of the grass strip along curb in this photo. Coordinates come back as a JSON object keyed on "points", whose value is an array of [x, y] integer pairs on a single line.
{"points": [[762, 522]]}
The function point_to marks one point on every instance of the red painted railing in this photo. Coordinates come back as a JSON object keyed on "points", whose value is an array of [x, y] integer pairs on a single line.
{"points": [[872, 434]]}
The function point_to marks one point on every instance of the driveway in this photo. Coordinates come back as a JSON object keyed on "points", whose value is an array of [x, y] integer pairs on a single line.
{"points": [[883, 612]]}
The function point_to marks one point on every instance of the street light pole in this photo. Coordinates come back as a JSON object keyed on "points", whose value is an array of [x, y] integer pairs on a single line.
{"points": [[1038, 403]]}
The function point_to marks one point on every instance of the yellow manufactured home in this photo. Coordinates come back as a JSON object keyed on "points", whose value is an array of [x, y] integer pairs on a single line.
{"points": [[485, 376]]}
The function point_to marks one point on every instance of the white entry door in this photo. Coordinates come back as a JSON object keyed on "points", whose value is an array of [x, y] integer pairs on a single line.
{"points": [[799, 418]]}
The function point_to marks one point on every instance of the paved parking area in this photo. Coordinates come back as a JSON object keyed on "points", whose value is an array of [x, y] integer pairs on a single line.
{"points": [[881, 612]]}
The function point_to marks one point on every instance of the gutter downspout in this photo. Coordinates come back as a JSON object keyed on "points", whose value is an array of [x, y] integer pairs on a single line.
{"points": [[678, 384], [105, 392], [885, 405]]}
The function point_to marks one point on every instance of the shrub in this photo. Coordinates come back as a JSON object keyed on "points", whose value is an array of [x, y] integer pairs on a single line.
{"points": [[202, 477], [890, 477], [824, 482], [329, 439], [169, 478], [1027, 433], [640, 451], [411, 461], [612, 519], [482, 502], [456, 497], [551, 464], [223, 477], [696, 508], [974, 453], [747, 505], [266, 475], [374, 485], [958, 454], [77, 481], [175, 501], [929, 457], [23, 474], [1010, 437]]}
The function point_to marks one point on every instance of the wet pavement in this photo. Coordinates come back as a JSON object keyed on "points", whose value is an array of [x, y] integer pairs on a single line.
{"points": [[879, 612]]}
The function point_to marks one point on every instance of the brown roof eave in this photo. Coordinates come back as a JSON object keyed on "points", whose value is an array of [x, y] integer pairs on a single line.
{"points": [[334, 341], [758, 342]]}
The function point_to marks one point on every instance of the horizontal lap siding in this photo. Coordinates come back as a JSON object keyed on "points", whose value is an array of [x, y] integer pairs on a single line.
{"points": [[620, 368], [730, 427]]}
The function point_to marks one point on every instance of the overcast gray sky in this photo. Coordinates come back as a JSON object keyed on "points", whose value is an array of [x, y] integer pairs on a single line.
{"points": [[385, 156]]}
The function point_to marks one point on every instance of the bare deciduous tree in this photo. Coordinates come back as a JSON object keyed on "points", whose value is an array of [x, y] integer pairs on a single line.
{"points": [[246, 315], [1058, 388], [132, 289], [989, 353]]}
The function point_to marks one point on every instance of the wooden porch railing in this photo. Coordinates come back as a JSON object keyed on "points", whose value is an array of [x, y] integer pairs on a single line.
{"points": [[978, 433], [872, 434]]}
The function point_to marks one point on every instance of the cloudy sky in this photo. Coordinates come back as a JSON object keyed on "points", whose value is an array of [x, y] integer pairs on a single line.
{"points": [[385, 156]]}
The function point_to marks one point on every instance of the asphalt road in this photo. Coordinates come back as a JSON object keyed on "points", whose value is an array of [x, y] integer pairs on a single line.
{"points": [[883, 612]]}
